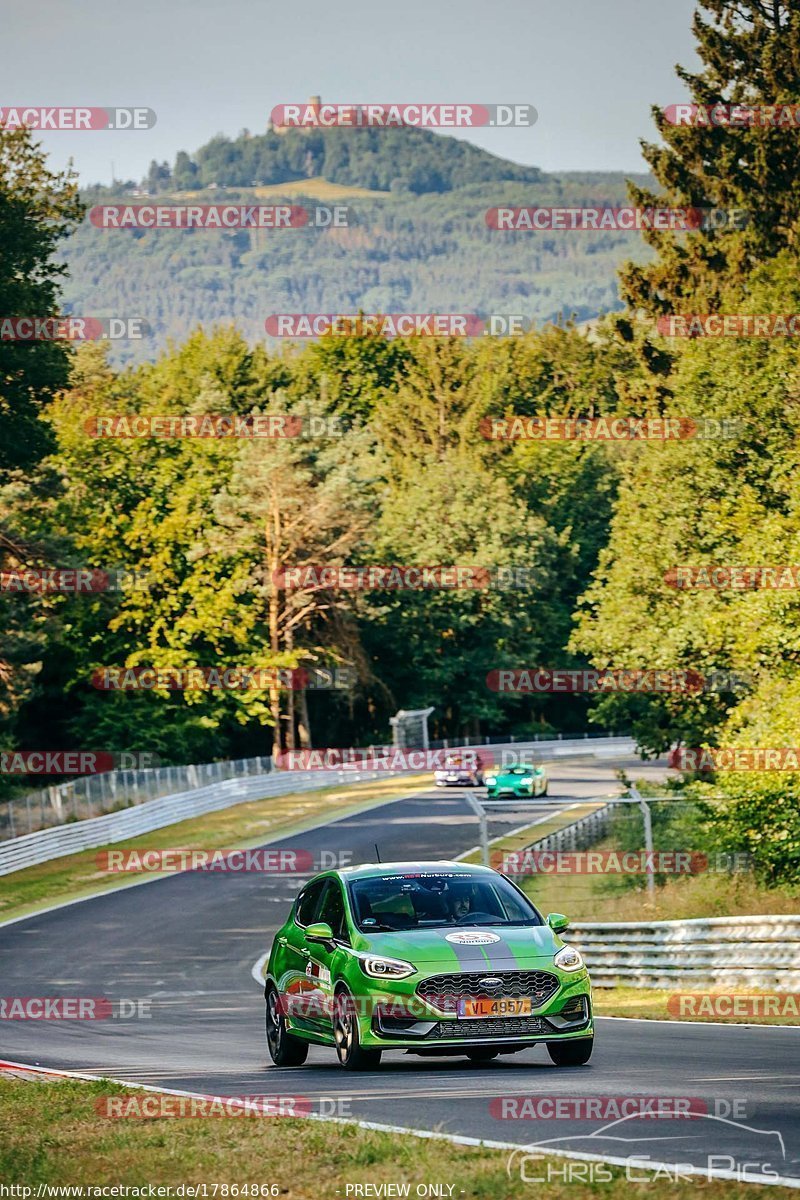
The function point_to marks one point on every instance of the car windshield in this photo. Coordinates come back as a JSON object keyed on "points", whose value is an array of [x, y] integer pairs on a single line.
{"points": [[426, 900]]}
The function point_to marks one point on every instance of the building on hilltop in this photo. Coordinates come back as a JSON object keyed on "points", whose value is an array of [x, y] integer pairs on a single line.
{"points": [[275, 127]]}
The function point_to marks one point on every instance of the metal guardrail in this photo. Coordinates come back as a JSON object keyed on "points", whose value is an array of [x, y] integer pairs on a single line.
{"points": [[42, 845], [46, 844], [92, 795], [753, 952], [705, 952]]}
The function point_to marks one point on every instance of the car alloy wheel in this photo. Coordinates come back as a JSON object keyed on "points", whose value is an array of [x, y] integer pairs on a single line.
{"points": [[284, 1050], [351, 1054]]}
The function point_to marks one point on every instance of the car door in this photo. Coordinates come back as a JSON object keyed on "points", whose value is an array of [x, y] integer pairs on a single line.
{"points": [[295, 984], [319, 967]]}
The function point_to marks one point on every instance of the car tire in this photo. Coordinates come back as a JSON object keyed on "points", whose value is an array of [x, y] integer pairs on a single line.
{"points": [[571, 1054], [284, 1049], [481, 1056], [351, 1054]]}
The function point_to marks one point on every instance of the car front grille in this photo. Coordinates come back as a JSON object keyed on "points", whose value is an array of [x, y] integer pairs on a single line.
{"points": [[495, 1027], [444, 991]]}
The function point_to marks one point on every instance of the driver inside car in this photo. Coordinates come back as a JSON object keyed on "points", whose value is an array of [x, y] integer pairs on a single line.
{"points": [[461, 903]]}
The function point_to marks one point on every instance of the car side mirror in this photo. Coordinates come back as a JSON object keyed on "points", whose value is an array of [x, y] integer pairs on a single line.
{"points": [[557, 922], [320, 931]]}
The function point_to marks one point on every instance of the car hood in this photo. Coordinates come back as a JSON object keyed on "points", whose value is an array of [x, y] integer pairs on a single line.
{"points": [[466, 948]]}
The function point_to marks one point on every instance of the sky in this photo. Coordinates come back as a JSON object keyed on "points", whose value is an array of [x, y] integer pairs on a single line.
{"points": [[591, 70]]}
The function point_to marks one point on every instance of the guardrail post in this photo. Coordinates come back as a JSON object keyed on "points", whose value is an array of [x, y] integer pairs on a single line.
{"points": [[480, 813], [648, 837]]}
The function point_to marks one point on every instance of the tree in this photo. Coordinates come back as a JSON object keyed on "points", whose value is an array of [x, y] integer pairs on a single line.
{"points": [[298, 501], [730, 499], [751, 55], [185, 173], [443, 505], [38, 208], [159, 176]]}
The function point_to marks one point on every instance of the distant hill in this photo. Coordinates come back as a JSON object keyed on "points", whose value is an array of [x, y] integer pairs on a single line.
{"points": [[417, 242], [384, 160]]}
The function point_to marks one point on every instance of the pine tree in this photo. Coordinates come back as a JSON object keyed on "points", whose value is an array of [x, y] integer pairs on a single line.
{"points": [[751, 52]]}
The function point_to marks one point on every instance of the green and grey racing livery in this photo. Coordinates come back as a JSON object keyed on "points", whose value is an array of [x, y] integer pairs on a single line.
{"points": [[431, 958]]}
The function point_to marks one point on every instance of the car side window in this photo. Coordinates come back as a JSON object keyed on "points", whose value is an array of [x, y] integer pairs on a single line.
{"points": [[332, 909], [308, 901]]}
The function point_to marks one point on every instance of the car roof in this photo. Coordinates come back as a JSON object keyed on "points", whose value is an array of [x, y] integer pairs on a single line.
{"points": [[443, 866]]}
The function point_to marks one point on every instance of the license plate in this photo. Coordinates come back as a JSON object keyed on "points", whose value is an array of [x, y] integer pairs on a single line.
{"points": [[480, 1006]]}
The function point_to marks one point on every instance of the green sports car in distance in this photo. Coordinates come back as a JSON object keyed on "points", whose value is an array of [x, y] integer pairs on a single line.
{"points": [[433, 958], [519, 781]]}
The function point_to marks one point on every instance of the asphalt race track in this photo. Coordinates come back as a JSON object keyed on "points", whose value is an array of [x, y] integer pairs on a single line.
{"points": [[188, 943]]}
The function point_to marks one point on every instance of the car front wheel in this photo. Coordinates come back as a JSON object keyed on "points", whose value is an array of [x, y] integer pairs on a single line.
{"points": [[571, 1054], [479, 1055], [351, 1054], [284, 1049]]}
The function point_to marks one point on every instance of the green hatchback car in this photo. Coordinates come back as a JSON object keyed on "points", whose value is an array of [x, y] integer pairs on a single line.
{"points": [[517, 781], [435, 959]]}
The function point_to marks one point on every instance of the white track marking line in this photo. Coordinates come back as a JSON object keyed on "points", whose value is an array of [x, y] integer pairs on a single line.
{"points": [[558, 806], [713, 1024], [257, 969]]}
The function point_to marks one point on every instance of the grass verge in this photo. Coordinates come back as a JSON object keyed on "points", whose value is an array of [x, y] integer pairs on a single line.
{"points": [[239, 827], [51, 1133]]}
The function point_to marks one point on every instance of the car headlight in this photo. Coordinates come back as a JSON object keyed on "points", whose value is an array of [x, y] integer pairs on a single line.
{"points": [[526, 780], [491, 780], [568, 959], [378, 967]]}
